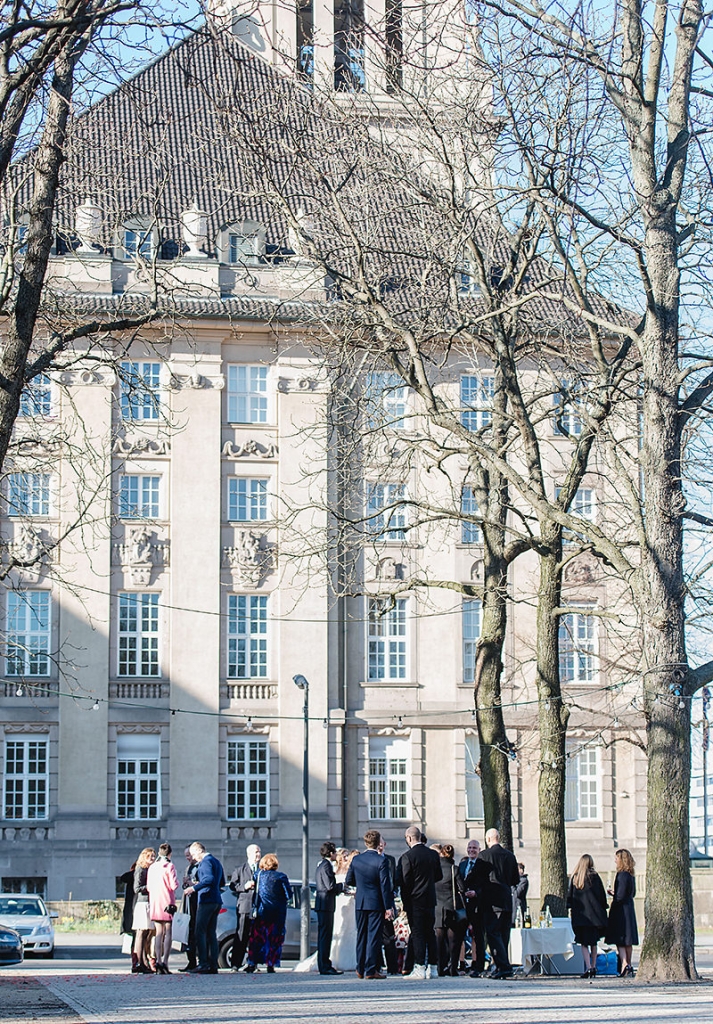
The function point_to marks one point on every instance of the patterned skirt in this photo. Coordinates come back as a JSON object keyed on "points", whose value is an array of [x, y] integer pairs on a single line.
{"points": [[265, 946]]}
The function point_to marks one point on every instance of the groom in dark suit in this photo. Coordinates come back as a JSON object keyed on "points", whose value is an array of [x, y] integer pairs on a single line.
{"points": [[328, 888], [374, 901]]}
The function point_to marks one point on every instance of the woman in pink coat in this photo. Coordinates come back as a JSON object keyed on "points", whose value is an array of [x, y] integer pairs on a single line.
{"points": [[162, 884]]}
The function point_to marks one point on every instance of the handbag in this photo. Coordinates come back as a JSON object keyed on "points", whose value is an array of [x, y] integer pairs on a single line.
{"points": [[142, 921], [459, 914], [254, 909], [127, 943], [181, 924]]}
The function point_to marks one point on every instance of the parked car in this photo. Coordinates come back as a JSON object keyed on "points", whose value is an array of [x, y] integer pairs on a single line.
{"points": [[10, 947], [31, 919], [291, 945]]}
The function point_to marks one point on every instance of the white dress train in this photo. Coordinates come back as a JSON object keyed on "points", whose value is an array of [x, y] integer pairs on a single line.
{"points": [[343, 951]]}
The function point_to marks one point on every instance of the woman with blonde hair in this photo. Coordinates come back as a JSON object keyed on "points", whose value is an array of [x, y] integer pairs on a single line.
{"points": [[142, 925], [162, 884], [622, 931], [587, 902]]}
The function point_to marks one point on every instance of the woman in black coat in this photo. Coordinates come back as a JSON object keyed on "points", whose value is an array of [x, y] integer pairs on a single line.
{"points": [[450, 926], [622, 931], [587, 902]]}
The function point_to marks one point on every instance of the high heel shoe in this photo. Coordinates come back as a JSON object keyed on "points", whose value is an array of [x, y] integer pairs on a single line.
{"points": [[627, 972]]}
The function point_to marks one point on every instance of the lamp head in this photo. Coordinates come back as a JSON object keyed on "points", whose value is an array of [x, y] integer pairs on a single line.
{"points": [[300, 682]]}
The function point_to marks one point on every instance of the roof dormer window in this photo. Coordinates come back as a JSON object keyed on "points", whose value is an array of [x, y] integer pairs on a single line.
{"points": [[137, 240], [242, 244], [137, 243]]}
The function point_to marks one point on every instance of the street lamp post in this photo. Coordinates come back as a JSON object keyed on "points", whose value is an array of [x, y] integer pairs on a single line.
{"points": [[303, 685]]}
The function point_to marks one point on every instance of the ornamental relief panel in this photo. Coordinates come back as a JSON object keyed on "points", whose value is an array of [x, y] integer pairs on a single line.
{"points": [[249, 449], [142, 556], [193, 381], [251, 559], [144, 446]]}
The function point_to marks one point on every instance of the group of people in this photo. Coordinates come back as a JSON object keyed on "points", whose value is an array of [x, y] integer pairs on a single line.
{"points": [[587, 903]]}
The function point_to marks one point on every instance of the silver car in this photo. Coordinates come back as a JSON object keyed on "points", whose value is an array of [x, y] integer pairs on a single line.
{"points": [[29, 916], [291, 947]]}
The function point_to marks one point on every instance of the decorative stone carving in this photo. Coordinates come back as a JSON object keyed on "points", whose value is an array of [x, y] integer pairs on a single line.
{"points": [[140, 729], [286, 384], [153, 833], [25, 834], [250, 560], [393, 730], [254, 730], [248, 449], [122, 833], [389, 570], [10, 833], [141, 555], [580, 571], [26, 727], [124, 446], [26, 547], [88, 225], [193, 380], [194, 226], [40, 833], [137, 833], [477, 569], [87, 376]]}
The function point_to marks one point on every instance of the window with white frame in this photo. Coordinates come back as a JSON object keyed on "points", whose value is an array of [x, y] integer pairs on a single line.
{"points": [[138, 241], [467, 282], [28, 633], [386, 399], [139, 496], [138, 777], [582, 792], [138, 635], [140, 390], [471, 616], [387, 639], [26, 778], [247, 636], [248, 780], [36, 397], [247, 499], [389, 776], [568, 405], [583, 505], [242, 244], [29, 494], [473, 787], [578, 647], [476, 400], [470, 533], [386, 514], [247, 394]]}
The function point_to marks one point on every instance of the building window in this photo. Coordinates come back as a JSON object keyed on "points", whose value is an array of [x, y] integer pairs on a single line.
{"points": [[476, 400], [247, 394], [139, 496], [36, 397], [471, 618], [584, 506], [28, 633], [26, 779], [245, 248], [138, 242], [138, 635], [470, 533], [247, 637], [578, 647], [387, 639], [582, 786], [389, 761], [24, 886], [247, 499], [349, 46], [386, 398], [568, 403], [248, 780], [140, 390], [138, 777], [29, 494], [386, 513], [473, 788]]}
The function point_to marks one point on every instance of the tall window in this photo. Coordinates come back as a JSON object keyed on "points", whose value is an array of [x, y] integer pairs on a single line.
{"points": [[247, 637], [138, 777], [349, 46], [29, 494], [247, 394], [386, 397], [139, 496], [568, 404], [26, 779], [471, 617], [584, 506], [140, 390], [247, 499], [138, 242], [386, 514], [582, 786], [36, 397], [138, 635], [470, 533], [578, 647], [305, 39], [389, 761], [248, 780], [476, 400], [473, 787], [387, 639], [28, 633]]}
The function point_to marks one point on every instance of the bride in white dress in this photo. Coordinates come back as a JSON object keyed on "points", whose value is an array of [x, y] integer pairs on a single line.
{"points": [[343, 951]]}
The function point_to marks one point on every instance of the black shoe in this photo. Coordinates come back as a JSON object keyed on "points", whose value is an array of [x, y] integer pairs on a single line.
{"points": [[271, 970], [202, 970], [187, 968], [500, 975], [331, 970], [251, 969]]}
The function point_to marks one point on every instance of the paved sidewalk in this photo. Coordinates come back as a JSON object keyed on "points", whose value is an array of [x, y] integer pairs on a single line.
{"points": [[23, 998], [283, 998]]}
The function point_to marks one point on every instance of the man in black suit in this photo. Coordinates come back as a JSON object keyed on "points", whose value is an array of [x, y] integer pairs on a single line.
{"points": [[388, 937], [474, 877], [328, 888], [242, 883], [419, 870], [374, 900], [496, 899]]}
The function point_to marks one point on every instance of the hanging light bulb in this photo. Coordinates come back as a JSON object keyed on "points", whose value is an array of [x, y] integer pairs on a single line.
{"points": [[173, 712], [19, 691], [95, 705], [473, 715], [325, 723], [249, 724], [547, 705], [400, 722]]}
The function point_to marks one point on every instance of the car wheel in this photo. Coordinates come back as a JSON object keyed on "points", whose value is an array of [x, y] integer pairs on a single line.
{"points": [[225, 955]]}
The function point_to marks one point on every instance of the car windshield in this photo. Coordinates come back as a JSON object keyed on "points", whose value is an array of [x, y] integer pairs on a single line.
{"points": [[17, 905]]}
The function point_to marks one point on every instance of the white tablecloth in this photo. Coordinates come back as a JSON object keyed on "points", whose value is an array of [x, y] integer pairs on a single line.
{"points": [[526, 943]]}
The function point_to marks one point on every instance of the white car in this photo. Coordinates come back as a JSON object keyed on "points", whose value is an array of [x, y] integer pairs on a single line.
{"points": [[29, 916]]}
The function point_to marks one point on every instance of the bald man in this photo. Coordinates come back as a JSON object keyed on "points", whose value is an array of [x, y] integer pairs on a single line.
{"points": [[419, 870], [497, 899]]}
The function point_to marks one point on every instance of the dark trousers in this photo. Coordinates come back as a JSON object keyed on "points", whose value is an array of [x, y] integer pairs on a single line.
{"points": [[449, 939], [241, 939], [190, 904], [368, 940], [477, 929], [325, 930], [206, 940], [388, 940], [422, 921], [497, 927]]}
